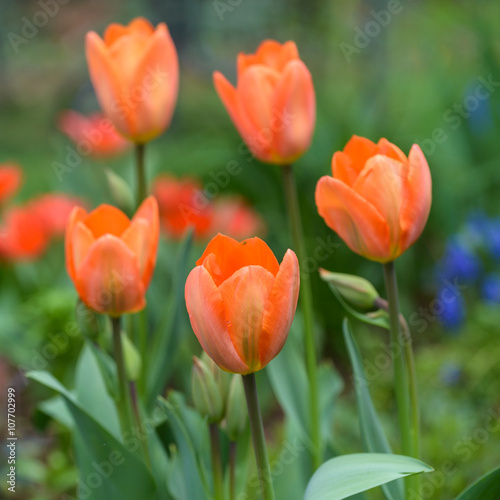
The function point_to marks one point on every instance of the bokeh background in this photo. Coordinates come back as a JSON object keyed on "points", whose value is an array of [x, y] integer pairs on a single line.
{"points": [[422, 72]]}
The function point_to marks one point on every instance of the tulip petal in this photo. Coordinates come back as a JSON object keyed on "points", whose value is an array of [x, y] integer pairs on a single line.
{"points": [[109, 279], [82, 240], [418, 197], [228, 95], [77, 214], [391, 150], [256, 88], [105, 76], [381, 184], [245, 295], [106, 219], [224, 256], [294, 111], [154, 86], [343, 168], [354, 219], [206, 313], [10, 180], [270, 53], [359, 149], [280, 309]]}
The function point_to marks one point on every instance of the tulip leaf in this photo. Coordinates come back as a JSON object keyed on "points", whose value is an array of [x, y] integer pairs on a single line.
{"points": [[121, 473], [381, 320], [486, 487], [372, 433], [188, 455], [167, 337], [342, 477]]}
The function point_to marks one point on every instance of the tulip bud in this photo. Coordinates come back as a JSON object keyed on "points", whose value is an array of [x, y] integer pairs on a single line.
{"points": [[236, 413], [205, 392], [222, 378], [120, 191], [132, 358], [355, 290]]}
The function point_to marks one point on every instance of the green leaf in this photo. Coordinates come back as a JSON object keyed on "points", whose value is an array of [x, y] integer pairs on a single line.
{"points": [[486, 487], [167, 337], [372, 433], [121, 474], [91, 392], [347, 475], [381, 320], [191, 437]]}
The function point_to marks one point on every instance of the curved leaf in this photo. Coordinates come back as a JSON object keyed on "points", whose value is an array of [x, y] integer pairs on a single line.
{"points": [[486, 487], [347, 475]]}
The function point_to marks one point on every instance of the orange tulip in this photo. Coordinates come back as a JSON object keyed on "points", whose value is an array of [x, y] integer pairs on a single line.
{"points": [[236, 219], [135, 73], [54, 210], [111, 259], [22, 234], [183, 204], [10, 180], [274, 105], [94, 133], [241, 302], [378, 200]]}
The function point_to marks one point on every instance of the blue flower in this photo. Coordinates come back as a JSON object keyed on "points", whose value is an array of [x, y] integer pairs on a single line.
{"points": [[493, 237], [452, 312], [459, 262], [490, 289]]}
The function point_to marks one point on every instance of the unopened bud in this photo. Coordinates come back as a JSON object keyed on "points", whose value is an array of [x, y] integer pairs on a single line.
{"points": [[205, 392], [132, 358], [236, 413], [120, 191], [355, 290]]}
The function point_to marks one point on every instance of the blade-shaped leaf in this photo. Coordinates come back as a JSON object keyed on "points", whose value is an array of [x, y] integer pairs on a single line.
{"points": [[122, 474], [486, 487], [347, 475], [372, 433]]}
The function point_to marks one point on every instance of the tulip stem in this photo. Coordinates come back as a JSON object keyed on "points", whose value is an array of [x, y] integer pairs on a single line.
{"points": [[306, 302], [400, 369], [140, 150], [259, 441], [216, 462], [143, 437], [232, 470], [123, 394]]}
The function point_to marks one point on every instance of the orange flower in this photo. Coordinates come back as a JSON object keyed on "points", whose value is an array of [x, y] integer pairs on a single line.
{"points": [[241, 302], [236, 219], [378, 200], [183, 204], [135, 73], [111, 259], [54, 210], [10, 180], [22, 235], [273, 106], [94, 133]]}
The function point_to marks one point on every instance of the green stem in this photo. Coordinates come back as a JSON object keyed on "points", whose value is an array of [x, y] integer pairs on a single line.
{"points": [[307, 310], [138, 422], [216, 462], [232, 470], [259, 441], [400, 374], [141, 173], [123, 394]]}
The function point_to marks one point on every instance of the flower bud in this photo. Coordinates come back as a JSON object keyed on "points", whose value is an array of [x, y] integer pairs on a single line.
{"points": [[132, 358], [236, 412], [222, 378], [356, 291], [120, 191], [87, 320], [205, 392]]}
